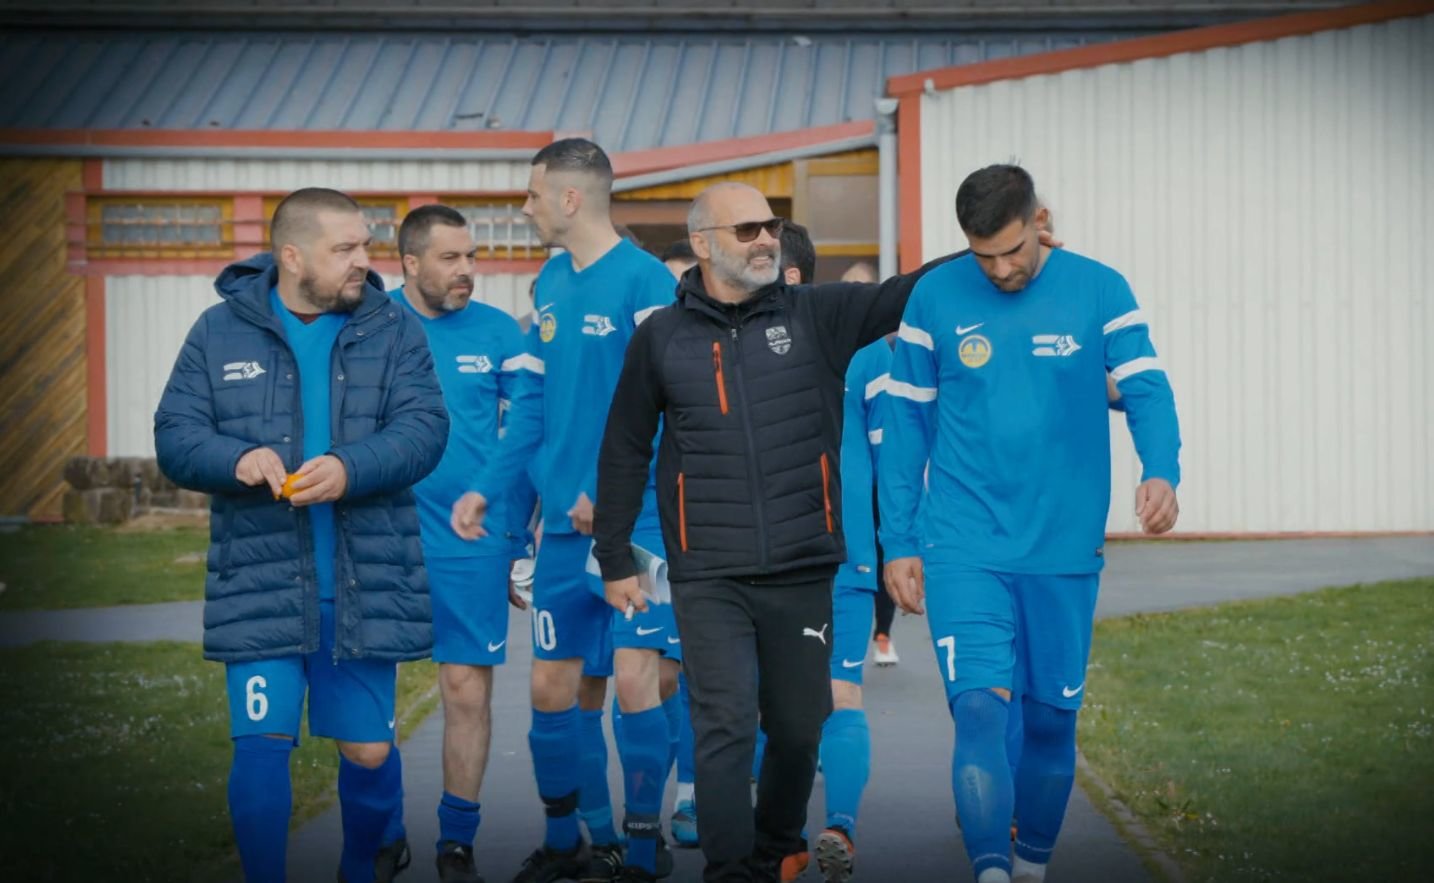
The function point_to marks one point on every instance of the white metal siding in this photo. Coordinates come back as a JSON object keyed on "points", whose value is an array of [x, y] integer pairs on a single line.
{"points": [[147, 319], [281, 176], [1269, 205]]}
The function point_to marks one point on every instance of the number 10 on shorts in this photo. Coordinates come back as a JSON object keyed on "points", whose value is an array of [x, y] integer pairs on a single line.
{"points": [[545, 632], [949, 644]]}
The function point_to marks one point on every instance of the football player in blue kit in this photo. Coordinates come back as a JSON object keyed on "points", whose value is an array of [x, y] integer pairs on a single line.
{"points": [[590, 298], [998, 382], [482, 366]]}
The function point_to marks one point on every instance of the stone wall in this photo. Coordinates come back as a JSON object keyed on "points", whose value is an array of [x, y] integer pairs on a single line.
{"points": [[110, 490]]}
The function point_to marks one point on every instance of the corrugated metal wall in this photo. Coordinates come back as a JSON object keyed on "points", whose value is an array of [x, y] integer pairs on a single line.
{"points": [[146, 320], [281, 176], [1269, 204], [42, 338]]}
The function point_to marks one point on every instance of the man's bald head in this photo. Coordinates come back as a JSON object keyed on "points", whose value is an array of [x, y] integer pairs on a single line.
{"points": [[729, 202], [296, 220]]}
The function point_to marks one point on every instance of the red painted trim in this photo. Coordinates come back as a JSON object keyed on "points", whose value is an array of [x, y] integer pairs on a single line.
{"points": [[444, 140], [1159, 46], [96, 391], [93, 176], [908, 176], [76, 223], [98, 268], [1212, 536], [641, 162], [248, 229]]}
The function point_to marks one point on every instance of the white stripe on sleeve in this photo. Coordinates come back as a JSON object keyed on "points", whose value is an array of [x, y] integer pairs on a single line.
{"points": [[1135, 366], [1134, 317], [912, 334], [907, 391], [641, 315], [874, 436], [523, 362], [874, 388]]}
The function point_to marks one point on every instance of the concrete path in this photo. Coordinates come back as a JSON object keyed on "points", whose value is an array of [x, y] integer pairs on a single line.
{"points": [[179, 621]]}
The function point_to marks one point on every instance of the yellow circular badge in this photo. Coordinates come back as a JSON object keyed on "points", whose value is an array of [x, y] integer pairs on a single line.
{"points": [[547, 327], [974, 350]]}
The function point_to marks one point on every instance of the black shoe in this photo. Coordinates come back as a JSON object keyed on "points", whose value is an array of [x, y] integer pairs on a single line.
{"points": [[546, 865], [663, 863], [455, 863], [604, 864], [391, 860]]}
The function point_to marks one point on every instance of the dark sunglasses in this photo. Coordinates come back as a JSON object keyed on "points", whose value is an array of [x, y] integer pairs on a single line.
{"points": [[748, 231]]}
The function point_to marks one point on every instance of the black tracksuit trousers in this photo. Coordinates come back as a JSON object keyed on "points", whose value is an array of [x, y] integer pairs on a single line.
{"points": [[749, 650]]}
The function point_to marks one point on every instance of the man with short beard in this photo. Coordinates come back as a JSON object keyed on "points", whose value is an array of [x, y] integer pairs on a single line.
{"points": [[746, 373], [305, 404], [482, 367]]}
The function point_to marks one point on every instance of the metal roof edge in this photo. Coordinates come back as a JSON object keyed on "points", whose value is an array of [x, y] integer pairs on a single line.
{"points": [[737, 164]]}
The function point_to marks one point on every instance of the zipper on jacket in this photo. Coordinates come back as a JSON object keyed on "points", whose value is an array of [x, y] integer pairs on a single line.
{"points": [[721, 380], [681, 511], [826, 492], [759, 510]]}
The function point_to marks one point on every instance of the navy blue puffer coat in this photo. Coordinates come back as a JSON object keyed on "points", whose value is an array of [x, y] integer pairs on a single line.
{"points": [[234, 388]]}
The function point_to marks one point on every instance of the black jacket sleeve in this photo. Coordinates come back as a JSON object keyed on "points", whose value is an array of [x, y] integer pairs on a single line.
{"points": [[626, 453], [854, 314]]}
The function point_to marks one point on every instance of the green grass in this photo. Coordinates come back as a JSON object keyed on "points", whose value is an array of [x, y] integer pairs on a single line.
{"points": [[116, 757], [59, 566], [1284, 739]]}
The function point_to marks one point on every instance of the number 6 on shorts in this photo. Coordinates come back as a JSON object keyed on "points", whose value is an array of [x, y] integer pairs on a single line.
{"points": [[256, 703]]}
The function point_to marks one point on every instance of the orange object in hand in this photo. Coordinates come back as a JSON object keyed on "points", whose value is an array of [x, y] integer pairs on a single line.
{"points": [[288, 488]]}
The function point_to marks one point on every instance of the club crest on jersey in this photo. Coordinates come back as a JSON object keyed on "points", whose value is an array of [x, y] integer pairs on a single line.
{"points": [[474, 365], [547, 327], [778, 341], [598, 326], [1053, 345], [974, 350]]}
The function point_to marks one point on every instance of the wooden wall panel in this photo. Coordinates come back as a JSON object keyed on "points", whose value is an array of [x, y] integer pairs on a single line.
{"points": [[42, 337]]}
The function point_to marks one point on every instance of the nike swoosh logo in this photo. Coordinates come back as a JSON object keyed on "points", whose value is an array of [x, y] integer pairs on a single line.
{"points": [[642, 632], [847, 663], [546, 307], [969, 328], [391, 722], [494, 648], [1069, 693], [674, 640]]}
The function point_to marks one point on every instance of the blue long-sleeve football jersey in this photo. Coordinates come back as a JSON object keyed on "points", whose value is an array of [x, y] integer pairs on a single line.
{"points": [[862, 433], [582, 323], [1005, 396], [483, 368]]}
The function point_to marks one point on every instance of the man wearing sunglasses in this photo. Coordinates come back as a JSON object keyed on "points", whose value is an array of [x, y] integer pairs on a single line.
{"points": [[746, 373]]}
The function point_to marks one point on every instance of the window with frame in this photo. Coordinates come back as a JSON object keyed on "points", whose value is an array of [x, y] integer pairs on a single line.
{"points": [[501, 230], [160, 226], [383, 214]]}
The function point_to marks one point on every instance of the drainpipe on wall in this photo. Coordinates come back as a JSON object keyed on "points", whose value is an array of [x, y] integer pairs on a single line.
{"points": [[886, 184]]}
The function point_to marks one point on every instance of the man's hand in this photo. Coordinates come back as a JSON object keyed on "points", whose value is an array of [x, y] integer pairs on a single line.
{"points": [[1156, 506], [582, 515], [625, 593], [321, 480], [906, 583], [262, 466], [467, 516], [517, 598], [1048, 240]]}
